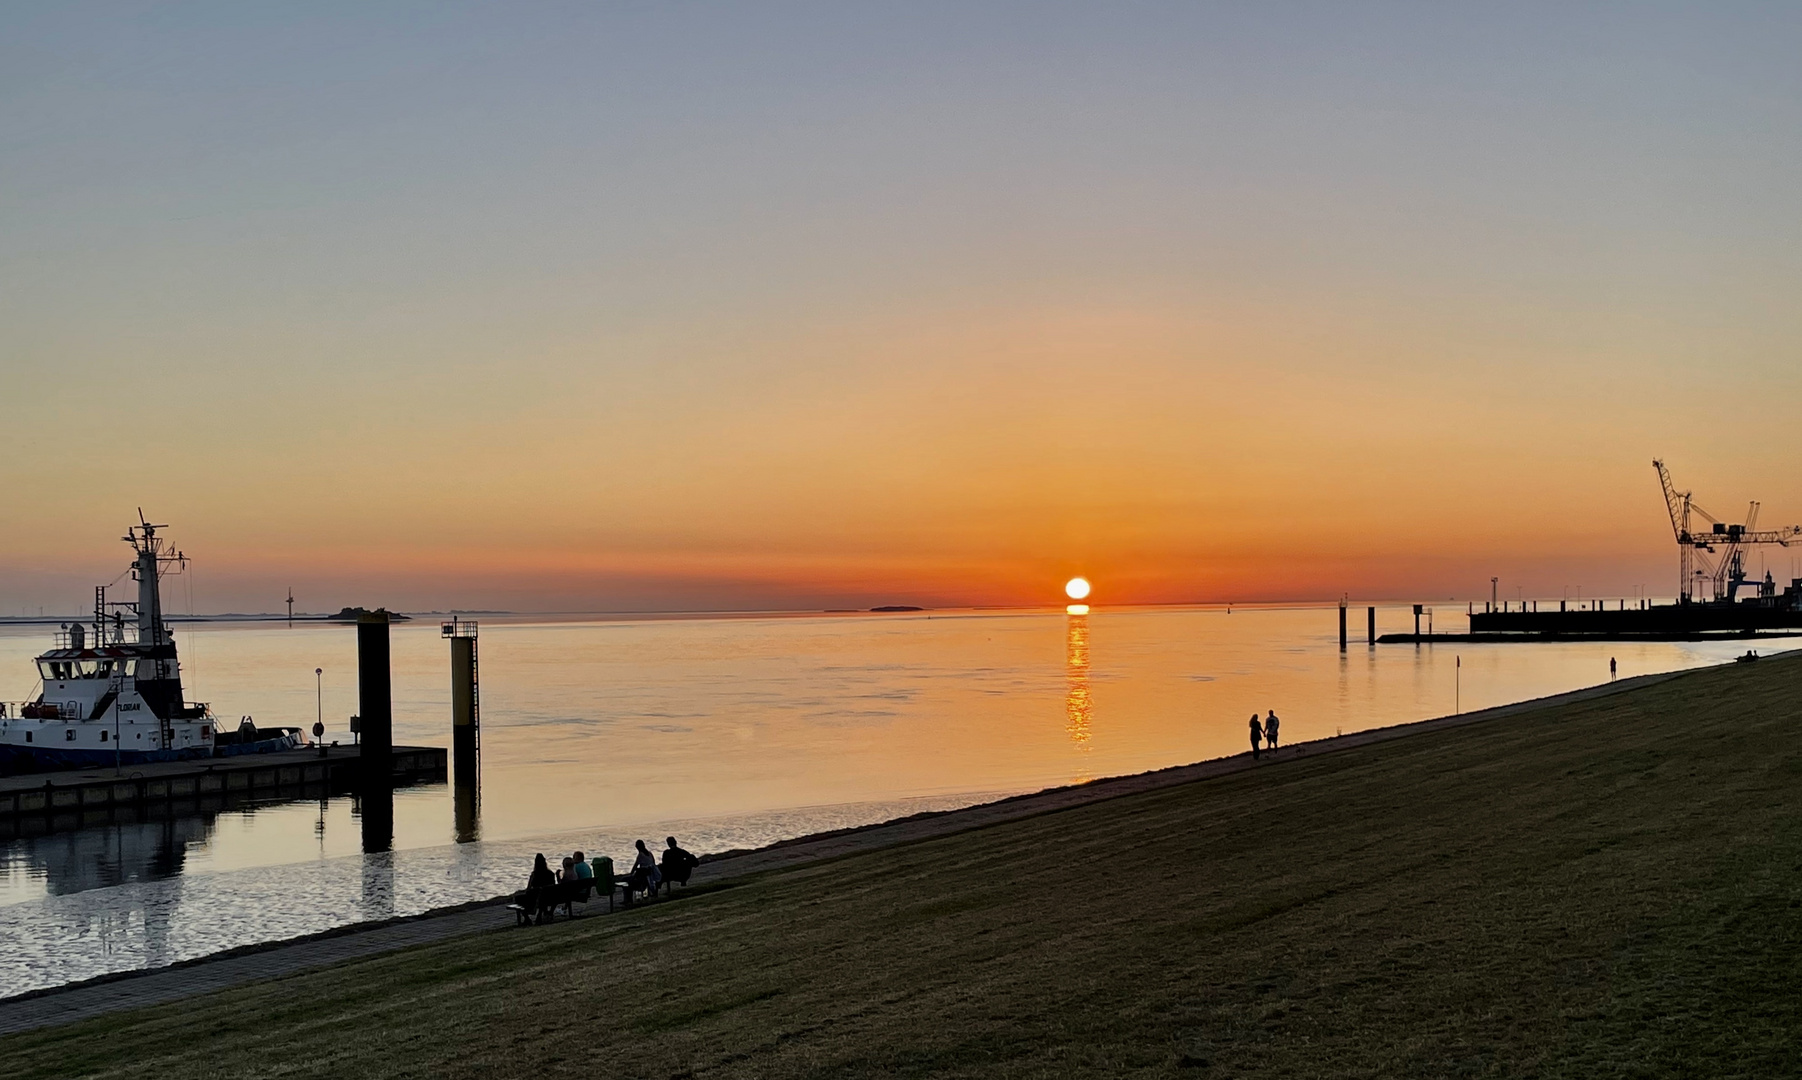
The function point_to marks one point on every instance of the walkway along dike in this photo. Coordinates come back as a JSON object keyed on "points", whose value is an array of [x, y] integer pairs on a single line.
{"points": [[38, 802]]}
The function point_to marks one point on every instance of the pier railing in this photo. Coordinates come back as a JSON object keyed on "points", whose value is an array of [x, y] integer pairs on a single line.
{"points": [[115, 635], [1509, 607]]}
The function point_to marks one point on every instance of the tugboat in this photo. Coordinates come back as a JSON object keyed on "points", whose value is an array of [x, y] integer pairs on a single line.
{"points": [[112, 695]]}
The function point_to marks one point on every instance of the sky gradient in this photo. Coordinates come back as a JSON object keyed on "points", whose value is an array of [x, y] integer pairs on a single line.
{"points": [[625, 307]]}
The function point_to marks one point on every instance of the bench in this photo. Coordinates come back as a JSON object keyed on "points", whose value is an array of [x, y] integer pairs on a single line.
{"points": [[666, 884], [676, 871], [540, 904], [632, 892], [670, 873]]}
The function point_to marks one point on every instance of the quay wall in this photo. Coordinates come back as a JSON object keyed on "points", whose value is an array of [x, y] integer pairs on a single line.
{"points": [[260, 776], [1665, 619]]}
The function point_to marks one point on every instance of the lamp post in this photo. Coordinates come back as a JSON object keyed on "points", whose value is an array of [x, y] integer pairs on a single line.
{"points": [[319, 705]]}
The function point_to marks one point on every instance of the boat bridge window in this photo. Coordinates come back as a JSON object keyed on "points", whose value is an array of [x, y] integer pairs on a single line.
{"points": [[65, 670]]}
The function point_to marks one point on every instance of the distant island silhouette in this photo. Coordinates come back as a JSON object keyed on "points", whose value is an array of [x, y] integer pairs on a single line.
{"points": [[351, 614], [897, 607]]}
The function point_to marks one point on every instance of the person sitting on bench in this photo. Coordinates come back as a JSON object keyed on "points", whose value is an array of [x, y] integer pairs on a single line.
{"points": [[539, 888], [645, 876], [571, 888], [677, 864], [577, 881], [541, 874]]}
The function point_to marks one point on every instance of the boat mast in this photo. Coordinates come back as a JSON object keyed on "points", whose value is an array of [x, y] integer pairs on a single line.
{"points": [[148, 570], [150, 601], [158, 677]]}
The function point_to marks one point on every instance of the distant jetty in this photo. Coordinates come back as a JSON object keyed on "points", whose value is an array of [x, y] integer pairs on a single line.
{"points": [[1711, 574]]}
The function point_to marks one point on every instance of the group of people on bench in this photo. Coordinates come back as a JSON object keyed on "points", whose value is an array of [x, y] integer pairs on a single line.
{"points": [[546, 890]]}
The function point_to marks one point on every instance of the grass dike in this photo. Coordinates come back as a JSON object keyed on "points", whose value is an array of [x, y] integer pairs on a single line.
{"points": [[1601, 887]]}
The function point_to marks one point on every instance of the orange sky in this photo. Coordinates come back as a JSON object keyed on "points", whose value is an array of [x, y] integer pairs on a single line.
{"points": [[627, 312]]}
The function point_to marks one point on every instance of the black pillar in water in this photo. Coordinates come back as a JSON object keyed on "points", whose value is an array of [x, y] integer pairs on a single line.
{"points": [[466, 805], [375, 809], [375, 697], [1370, 625], [466, 746], [1341, 626], [1417, 608]]}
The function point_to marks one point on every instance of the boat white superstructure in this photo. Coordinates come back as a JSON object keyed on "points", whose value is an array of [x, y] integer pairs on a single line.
{"points": [[111, 693]]}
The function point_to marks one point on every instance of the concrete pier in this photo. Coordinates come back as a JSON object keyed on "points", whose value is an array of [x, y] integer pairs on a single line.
{"points": [[205, 783]]}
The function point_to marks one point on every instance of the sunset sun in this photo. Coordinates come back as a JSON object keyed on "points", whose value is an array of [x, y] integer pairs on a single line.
{"points": [[1077, 588]]}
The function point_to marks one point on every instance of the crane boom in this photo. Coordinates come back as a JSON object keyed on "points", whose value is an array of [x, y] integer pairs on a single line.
{"points": [[1677, 504], [1699, 548]]}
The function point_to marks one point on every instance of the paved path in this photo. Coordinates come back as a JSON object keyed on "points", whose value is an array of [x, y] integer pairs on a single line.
{"points": [[81, 1001]]}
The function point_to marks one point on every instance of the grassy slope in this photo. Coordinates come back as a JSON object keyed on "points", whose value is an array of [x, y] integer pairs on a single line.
{"points": [[1603, 889]]}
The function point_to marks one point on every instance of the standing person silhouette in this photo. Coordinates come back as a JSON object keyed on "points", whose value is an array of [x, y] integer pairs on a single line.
{"points": [[1257, 733], [1270, 726]]}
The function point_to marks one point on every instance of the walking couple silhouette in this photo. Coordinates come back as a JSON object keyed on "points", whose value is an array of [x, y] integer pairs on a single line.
{"points": [[1265, 732]]}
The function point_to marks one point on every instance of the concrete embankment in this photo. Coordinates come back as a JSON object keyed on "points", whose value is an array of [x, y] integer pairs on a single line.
{"points": [[38, 802]]}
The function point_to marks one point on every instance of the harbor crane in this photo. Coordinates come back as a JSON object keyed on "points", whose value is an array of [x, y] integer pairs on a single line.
{"points": [[1717, 555]]}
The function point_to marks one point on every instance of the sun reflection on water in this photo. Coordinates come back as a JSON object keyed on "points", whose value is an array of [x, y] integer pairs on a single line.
{"points": [[1078, 706]]}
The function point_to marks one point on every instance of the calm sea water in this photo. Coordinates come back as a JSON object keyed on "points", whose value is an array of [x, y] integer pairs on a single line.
{"points": [[729, 732]]}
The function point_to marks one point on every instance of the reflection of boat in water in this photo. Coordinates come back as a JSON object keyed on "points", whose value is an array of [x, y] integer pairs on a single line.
{"points": [[114, 888], [113, 695], [104, 856]]}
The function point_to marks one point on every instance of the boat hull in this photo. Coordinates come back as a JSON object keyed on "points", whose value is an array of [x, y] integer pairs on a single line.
{"points": [[15, 760]]}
